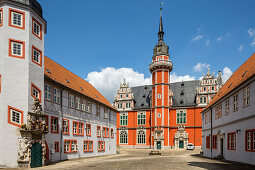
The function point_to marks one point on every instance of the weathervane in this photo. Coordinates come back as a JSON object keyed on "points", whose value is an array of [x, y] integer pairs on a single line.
{"points": [[161, 5]]}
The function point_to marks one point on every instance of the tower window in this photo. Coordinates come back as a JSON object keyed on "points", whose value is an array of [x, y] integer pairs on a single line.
{"points": [[1, 17], [15, 116], [35, 92], [16, 48], [182, 93], [17, 19], [37, 56], [37, 29], [159, 96]]}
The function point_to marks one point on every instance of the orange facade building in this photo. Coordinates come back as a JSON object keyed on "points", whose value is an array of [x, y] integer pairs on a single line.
{"points": [[163, 115]]}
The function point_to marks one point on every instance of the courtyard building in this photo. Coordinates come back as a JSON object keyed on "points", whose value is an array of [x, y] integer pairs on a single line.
{"points": [[163, 115], [47, 112], [228, 121]]}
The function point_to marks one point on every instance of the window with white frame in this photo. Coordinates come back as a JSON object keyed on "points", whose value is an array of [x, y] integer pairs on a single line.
{"points": [[204, 99], [218, 111], [227, 107], [65, 126], [123, 119], [98, 131], [98, 110], [83, 105], [67, 146], [112, 133], [141, 118], [73, 146], [17, 48], [36, 55], [123, 137], [87, 145], [88, 129], [80, 128], [17, 18], [246, 96], [15, 116], [250, 140], [54, 124], [141, 137], [47, 92], [78, 100], [71, 100], [232, 141], [36, 28], [75, 124], [105, 113], [57, 95], [235, 101], [101, 145], [181, 117], [89, 107]]}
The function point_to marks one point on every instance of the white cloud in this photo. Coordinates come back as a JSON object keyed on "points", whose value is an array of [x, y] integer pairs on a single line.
{"points": [[200, 67], [175, 78], [198, 37], [219, 38], [226, 74], [251, 32], [240, 48], [207, 42], [108, 79]]}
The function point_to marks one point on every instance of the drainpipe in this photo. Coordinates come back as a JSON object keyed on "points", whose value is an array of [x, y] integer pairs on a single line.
{"points": [[211, 132], [61, 129]]}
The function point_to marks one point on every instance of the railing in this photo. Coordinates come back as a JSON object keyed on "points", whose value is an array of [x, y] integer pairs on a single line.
{"points": [[157, 63]]}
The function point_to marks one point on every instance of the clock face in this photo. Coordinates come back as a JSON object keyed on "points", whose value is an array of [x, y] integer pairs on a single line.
{"points": [[159, 48]]}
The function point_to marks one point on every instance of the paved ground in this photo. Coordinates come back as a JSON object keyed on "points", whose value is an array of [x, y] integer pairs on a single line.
{"points": [[140, 159]]}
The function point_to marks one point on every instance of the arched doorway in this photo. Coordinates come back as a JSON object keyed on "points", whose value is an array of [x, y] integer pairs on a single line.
{"points": [[181, 144], [36, 155], [159, 145]]}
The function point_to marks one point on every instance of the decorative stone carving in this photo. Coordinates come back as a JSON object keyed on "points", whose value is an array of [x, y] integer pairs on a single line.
{"points": [[23, 154], [181, 135]]}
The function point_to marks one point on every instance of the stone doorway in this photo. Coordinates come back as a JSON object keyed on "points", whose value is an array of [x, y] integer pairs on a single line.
{"points": [[181, 138], [36, 155], [159, 145], [181, 144]]}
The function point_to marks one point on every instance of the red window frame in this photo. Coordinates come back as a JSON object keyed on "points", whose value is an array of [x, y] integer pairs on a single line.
{"points": [[88, 125], [230, 147], [65, 133], [56, 146], [208, 142], [105, 134], [2, 19], [51, 118], [9, 116], [100, 144], [23, 48], [40, 59], [112, 133], [40, 93], [78, 124], [252, 131], [214, 142], [100, 131], [34, 20], [91, 150], [10, 18], [70, 146]]}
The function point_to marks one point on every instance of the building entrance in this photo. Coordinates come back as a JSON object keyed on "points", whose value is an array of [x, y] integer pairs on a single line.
{"points": [[36, 155], [159, 145], [181, 144]]}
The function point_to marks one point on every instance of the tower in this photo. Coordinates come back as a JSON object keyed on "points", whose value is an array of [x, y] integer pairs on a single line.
{"points": [[160, 69], [22, 29]]}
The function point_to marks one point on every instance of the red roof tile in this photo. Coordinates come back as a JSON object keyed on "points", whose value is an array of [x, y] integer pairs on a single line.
{"points": [[61, 75], [244, 72]]}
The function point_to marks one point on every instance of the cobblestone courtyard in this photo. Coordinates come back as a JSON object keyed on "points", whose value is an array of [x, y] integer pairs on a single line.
{"points": [[140, 159]]}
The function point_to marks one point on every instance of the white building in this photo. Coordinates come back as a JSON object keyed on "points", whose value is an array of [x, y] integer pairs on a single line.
{"points": [[229, 119], [73, 108]]}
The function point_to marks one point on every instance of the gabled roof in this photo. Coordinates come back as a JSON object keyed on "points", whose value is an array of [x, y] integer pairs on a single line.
{"points": [[243, 73], [65, 77]]}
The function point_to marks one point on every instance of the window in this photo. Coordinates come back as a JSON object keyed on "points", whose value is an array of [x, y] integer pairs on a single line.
{"points": [[123, 119], [78, 100], [218, 111], [1, 16], [54, 124], [89, 107], [83, 105], [201, 100], [35, 92], [235, 100], [37, 28], [232, 141], [246, 96], [36, 56], [15, 116], [204, 99], [98, 110], [70, 146], [181, 117], [56, 95], [214, 141], [87, 146], [123, 137], [77, 128], [159, 96], [56, 146], [16, 19], [128, 105], [206, 118], [47, 92], [98, 131], [141, 118], [208, 142], [112, 133], [141, 137], [88, 129], [71, 100], [227, 107], [105, 132], [101, 145], [17, 48], [204, 88], [66, 126], [250, 140], [105, 113]]}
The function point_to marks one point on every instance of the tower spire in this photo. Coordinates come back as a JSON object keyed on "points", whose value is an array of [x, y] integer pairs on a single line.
{"points": [[161, 32]]}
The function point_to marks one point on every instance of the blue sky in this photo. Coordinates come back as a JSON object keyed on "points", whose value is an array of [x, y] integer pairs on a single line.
{"points": [[95, 38]]}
